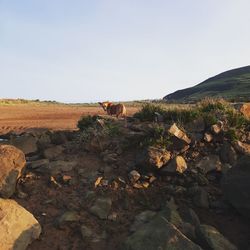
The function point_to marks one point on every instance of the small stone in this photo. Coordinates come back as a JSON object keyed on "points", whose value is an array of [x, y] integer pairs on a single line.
{"points": [[174, 130], [208, 137], [68, 217], [134, 176], [113, 216], [178, 164], [209, 163], [101, 208], [66, 178]]}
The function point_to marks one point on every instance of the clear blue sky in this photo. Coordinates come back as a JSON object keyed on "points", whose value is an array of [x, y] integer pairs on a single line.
{"points": [[83, 51]]}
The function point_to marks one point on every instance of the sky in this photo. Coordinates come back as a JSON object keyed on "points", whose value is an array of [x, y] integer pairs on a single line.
{"points": [[117, 50]]}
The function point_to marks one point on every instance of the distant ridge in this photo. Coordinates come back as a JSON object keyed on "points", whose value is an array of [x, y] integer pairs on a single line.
{"points": [[233, 85]]}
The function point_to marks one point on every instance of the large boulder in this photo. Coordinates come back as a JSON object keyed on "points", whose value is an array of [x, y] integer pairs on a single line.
{"points": [[159, 233], [236, 185], [27, 143], [12, 162], [18, 227], [211, 238]]}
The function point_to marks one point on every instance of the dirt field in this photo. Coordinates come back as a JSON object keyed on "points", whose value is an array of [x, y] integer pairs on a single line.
{"points": [[22, 117]]}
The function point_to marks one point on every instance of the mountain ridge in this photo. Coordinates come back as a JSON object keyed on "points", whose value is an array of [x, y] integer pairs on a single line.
{"points": [[233, 84]]}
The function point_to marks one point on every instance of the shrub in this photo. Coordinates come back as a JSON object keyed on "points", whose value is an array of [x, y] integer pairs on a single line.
{"points": [[156, 136], [236, 119], [231, 134], [210, 105], [86, 121], [180, 116], [147, 113]]}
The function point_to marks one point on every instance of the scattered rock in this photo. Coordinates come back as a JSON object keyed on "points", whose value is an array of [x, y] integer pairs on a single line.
{"points": [[208, 137], [210, 163], [174, 130], [178, 164], [12, 162], [217, 128], [134, 176], [18, 227], [158, 156], [101, 208], [211, 238], [236, 186]]}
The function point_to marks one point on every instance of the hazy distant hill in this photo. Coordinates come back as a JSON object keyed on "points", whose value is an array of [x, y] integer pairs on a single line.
{"points": [[233, 84]]}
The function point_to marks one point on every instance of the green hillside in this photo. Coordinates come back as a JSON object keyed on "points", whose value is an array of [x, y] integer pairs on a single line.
{"points": [[233, 85]]}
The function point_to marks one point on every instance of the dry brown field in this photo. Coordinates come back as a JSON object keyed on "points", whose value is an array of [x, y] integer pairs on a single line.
{"points": [[23, 117]]}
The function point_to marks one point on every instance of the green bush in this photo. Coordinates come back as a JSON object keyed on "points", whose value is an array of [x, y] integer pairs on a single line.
{"points": [[181, 116], [211, 105], [231, 135], [236, 119], [86, 121], [147, 113]]}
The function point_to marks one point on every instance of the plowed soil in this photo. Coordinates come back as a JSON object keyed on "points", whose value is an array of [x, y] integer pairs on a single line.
{"points": [[22, 117]]}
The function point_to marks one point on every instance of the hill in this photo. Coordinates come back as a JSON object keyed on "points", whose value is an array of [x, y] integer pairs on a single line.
{"points": [[233, 85]]}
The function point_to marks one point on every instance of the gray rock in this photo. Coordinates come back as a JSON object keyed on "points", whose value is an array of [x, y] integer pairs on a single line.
{"points": [[68, 217], [101, 208], [236, 186], [27, 143], [210, 163], [53, 152], [18, 227], [212, 239], [159, 233], [12, 162], [134, 176]]}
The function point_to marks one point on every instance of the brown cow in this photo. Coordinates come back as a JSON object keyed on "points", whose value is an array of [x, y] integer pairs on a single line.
{"points": [[114, 109]]}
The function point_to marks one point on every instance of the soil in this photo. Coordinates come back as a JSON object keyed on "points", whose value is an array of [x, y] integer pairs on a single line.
{"points": [[23, 117]]}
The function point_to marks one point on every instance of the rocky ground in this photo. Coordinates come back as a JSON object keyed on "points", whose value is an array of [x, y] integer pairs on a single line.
{"points": [[126, 185]]}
